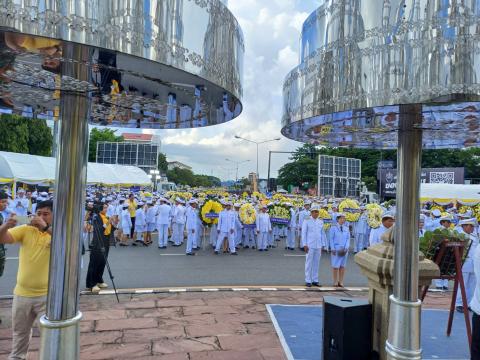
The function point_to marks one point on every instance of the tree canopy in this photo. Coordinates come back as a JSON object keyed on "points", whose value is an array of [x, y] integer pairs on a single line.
{"points": [[97, 135], [187, 177], [162, 163], [304, 165], [25, 135]]}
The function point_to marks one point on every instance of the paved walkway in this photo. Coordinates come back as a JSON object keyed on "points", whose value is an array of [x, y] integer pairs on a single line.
{"points": [[230, 325]]}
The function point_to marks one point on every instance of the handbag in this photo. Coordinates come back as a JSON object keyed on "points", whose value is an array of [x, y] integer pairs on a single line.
{"points": [[342, 252]]}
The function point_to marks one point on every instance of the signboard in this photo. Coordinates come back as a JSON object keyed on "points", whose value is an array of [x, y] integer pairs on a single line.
{"points": [[387, 178], [338, 176]]}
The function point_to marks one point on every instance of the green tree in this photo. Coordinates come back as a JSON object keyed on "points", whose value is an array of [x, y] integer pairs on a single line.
{"points": [[25, 135], [298, 172], [162, 163], [97, 135], [40, 138], [181, 176]]}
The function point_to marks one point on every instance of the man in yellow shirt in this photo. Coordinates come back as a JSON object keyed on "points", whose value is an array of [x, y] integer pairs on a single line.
{"points": [[30, 294], [132, 208]]}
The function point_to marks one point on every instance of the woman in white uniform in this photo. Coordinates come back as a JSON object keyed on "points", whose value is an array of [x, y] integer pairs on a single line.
{"points": [[339, 245]]}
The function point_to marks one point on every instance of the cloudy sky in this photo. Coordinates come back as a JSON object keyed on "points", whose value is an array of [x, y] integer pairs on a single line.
{"points": [[272, 30]]}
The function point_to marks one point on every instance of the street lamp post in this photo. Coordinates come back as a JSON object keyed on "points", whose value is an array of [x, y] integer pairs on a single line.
{"points": [[257, 143], [154, 176], [237, 164]]}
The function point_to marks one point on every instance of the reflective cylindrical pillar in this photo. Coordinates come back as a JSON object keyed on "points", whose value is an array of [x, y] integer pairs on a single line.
{"points": [[405, 308], [60, 325]]}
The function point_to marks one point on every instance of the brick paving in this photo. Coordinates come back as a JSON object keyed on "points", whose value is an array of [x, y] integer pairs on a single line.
{"points": [[184, 326]]}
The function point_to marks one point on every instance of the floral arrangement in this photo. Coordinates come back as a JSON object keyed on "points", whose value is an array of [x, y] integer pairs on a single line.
{"points": [[279, 214], [258, 195], [244, 195], [297, 202], [437, 207], [351, 210], [280, 197], [374, 215], [476, 211], [209, 212], [248, 215], [217, 193], [181, 194], [325, 215]]}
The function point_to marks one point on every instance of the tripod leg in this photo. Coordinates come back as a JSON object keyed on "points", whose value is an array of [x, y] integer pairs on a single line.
{"points": [[452, 306], [458, 262]]}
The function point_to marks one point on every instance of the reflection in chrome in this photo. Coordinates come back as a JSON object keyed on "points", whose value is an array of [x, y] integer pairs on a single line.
{"points": [[360, 59], [152, 64]]}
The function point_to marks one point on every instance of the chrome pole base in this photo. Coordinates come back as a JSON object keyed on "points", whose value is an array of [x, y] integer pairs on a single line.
{"points": [[404, 330], [60, 340]]}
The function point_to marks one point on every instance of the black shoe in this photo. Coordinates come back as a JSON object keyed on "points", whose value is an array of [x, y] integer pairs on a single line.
{"points": [[308, 284], [287, 248], [246, 247], [216, 252], [234, 253], [253, 247], [265, 250], [190, 254], [260, 249], [439, 287], [459, 309], [316, 284], [445, 288], [195, 248]]}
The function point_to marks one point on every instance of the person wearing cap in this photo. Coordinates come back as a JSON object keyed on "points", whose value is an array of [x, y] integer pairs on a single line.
{"points": [[339, 245], [291, 229], [444, 223], [360, 232], [303, 215], [226, 229], [132, 209], [191, 226], [435, 220], [125, 224], [313, 236], [238, 226], [263, 228], [163, 223], [150, 219], [388, 220], [139, 235], [178, 222], [468, 270], [20, 204]]}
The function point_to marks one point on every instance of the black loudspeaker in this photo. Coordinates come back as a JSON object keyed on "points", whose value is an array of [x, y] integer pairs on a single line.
{"points": [[347, 329]]}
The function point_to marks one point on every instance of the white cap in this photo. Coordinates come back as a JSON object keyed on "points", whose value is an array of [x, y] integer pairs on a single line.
{"points": [[471, 221], [193, 201], [180, 200], [446, 218], [388, 215], [436, 213], [339, 215], [237, 205], [264, 207], [315, 207], [21, 190], [422, 218]]}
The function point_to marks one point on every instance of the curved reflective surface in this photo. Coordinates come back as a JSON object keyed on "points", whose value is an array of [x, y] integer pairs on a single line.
{"points": [[360, 59], [151, 64]]}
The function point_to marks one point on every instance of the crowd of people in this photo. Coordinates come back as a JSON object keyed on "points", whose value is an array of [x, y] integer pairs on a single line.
{"points": [[127, 218]]}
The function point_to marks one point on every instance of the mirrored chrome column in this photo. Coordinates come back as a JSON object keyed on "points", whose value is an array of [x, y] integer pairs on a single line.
{"points": [[60, 326], [405, 308]]}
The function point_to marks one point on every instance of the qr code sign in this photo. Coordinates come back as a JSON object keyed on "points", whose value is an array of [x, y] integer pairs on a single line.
{"points": [[442, 177]]}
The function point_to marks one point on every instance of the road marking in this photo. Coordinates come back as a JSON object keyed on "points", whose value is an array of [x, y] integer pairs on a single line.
{"points": [[298, 289], [240, 289], [290, 255], [177, 290], [268, 289], [144, 291], [106, 292], [12, 258], [172, 254], [211, 289]]}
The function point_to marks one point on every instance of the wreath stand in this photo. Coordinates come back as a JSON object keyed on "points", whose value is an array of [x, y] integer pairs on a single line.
{"points": [[449, 257]]}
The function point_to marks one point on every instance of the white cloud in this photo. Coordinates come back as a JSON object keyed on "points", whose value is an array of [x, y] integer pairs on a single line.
{"points": [[271, 29]]}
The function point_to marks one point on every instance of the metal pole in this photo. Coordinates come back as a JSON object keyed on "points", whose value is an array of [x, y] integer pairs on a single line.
{"points": [[405, 307], [60, 326], [268, 175], [258, 175]]}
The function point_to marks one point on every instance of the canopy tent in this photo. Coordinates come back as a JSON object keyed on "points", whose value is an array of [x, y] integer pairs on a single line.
{"points": [[444, 194], [32, 169]]}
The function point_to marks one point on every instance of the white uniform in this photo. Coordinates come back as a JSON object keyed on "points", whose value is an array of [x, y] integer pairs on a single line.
{"points": [[313, 236], [360, 233], [163, 222], [302, 216], [126, 222], [140, 222], [291, 230], [264, 227], [151, 218], [178, 224], [20, 206], [340, 240], [192, 228], [468, 271], [376, 235], [226, 229], [238, 229]]}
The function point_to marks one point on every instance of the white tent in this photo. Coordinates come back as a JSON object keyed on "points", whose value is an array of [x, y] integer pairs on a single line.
{"points": [[31, 169], [447, 193]]}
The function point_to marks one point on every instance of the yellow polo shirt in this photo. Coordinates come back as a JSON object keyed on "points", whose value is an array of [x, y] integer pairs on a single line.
{"points": [[33, 262], [132, 208]]}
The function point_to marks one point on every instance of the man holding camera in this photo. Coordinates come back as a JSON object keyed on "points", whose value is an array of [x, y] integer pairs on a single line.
{"points": [[30, 294]]}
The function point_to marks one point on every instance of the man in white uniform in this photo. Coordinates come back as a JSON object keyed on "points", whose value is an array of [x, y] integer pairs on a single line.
{"points": [[313, 236], [303, 215], [178, 222], [163, 222], [376, 234], [468, 272], [192, 226], [20, 204], [264, 228], [226, 229]]}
